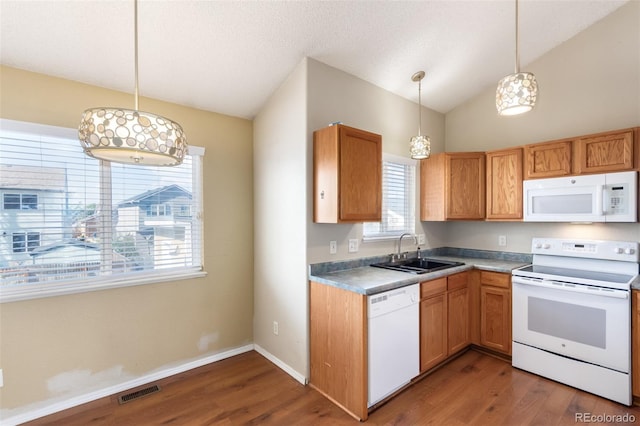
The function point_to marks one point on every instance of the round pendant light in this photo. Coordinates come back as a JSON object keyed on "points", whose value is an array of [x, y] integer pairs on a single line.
{"points": [[516, 93], [129, 135], [419, 146]]}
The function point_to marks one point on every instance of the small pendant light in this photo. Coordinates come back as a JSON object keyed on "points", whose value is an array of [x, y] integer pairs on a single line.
{"points": [[132, 136], [419, 146], [516, 93]]}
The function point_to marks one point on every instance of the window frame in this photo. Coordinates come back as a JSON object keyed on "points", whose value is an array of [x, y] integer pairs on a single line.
{"points": [[82, 285], [20, 202], [369, 236], [26, 245]]}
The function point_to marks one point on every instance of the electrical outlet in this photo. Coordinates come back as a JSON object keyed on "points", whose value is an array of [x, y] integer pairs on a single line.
{"points": [[502, 240], [333, 247], [1, 378], [420, 238], [275, 328], [353, 245]]}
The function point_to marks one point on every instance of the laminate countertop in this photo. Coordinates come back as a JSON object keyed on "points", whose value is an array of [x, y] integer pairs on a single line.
{"points": [[368, 280]]}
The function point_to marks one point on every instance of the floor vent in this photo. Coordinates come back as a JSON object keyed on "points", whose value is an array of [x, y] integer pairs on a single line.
{"points": [[128, 397]]}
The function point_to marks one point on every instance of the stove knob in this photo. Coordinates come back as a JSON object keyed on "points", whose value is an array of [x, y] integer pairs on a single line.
{"points": [[618, 250], [629, 251], [546, 246], [538, 245]]}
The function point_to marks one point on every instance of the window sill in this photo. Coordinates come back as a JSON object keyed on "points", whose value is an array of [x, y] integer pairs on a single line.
{"points": [[374, 239], [38, 291]]}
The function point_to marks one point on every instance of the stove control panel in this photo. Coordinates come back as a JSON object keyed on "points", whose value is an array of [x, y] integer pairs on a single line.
{"points": [[597, 249]]}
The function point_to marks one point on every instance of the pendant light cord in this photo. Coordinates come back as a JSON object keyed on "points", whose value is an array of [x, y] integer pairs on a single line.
{"points": [[135, 51], [517, 56], [419, 107]]}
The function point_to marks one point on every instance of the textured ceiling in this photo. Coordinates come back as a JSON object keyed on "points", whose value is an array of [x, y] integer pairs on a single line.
{"points": [[230, 56]]}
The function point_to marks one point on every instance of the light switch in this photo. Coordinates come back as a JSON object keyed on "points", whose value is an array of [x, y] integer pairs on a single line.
{"points": [[333, 247]]}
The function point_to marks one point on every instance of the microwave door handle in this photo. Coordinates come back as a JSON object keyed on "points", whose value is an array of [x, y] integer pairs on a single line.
{"points": [[600, 211]]}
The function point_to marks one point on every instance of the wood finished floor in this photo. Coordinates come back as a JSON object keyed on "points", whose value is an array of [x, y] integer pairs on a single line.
{"points": [[474, 389]]}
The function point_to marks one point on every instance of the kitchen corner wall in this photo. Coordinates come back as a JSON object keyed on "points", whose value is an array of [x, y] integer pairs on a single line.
{"points": [[60, 348], [286, 239], [588, 84]]}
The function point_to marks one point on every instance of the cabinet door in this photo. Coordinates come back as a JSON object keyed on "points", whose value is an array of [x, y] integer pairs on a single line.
{"points": [[495, 318], [548, 159], [433, 331], [635, 341], [458, 320], [504, 184], [338, 346], [465, 186], [360, 175], [610, 152], [347, 175]]}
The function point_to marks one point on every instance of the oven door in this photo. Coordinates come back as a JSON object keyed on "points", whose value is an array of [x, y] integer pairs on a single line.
{"points": [[582, 322]]}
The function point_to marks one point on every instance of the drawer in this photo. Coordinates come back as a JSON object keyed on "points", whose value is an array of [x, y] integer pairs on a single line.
{"points": [[457, 281], [433, 287], [496, 279]]}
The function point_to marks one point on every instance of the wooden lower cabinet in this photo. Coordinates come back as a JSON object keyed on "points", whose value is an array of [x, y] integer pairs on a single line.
{"points": [[458, 336], [433, 323], [338, 346], [635, 343], [444, 319], [495, 311]]}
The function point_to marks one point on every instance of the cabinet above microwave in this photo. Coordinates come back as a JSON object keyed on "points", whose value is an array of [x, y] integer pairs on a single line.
{"points": [[610, 197]]}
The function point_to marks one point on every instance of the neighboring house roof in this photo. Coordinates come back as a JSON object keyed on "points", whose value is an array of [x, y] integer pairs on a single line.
{"points": [[156, 196], [33, 178], [38, 251]]}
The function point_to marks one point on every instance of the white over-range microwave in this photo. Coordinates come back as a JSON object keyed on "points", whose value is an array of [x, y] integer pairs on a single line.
{"points": [[609, 197]]}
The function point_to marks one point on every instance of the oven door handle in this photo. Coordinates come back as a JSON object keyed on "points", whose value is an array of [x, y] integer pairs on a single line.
{"points": [[556, 285]]}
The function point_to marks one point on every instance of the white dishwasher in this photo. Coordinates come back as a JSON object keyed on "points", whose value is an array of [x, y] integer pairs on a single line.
{"points": [[393, 341]]}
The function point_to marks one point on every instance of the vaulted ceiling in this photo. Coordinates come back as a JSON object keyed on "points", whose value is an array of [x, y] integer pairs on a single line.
{"points": [[230, 56]]}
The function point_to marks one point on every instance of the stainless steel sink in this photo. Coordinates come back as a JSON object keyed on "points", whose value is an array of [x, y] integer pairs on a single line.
{"points": [[418, 266]]}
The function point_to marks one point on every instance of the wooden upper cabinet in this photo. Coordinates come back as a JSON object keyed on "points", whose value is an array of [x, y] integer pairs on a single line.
{"points": [[547, 159], [605, 152], [452, 186], [504, 184], [347, 175]]}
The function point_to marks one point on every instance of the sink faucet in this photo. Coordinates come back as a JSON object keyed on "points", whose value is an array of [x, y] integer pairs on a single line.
{"points": [[415, 241]]}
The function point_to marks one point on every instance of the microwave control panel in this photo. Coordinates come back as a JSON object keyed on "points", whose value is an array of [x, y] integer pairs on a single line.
{"points": [[616, 197]]}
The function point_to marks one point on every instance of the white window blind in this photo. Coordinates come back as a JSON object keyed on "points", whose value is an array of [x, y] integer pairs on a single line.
{"points": [[398, 199], [73, 223]]}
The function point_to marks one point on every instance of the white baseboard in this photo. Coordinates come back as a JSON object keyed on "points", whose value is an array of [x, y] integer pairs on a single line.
{"points": [[45, 408], [278, 362]]}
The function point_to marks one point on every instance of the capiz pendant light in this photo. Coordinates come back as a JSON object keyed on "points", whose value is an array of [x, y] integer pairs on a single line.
{"points": [[419, 146], [132, 136], [516, 93]]}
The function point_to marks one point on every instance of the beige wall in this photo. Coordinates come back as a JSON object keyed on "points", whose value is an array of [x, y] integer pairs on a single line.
{"points": [[280, 290], [590, 83], [58, 347]]}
